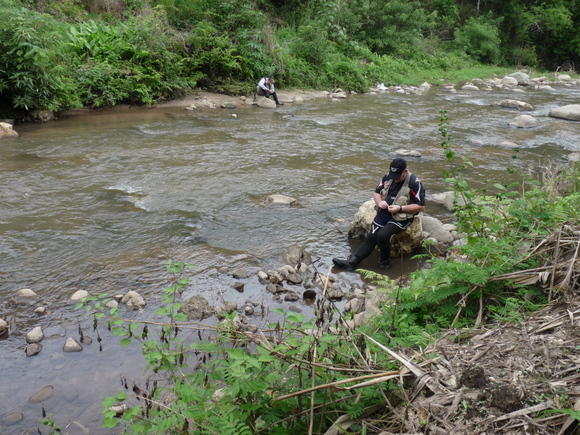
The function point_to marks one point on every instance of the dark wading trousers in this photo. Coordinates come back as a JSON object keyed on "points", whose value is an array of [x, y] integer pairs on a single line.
{"points": [[381, 237]]}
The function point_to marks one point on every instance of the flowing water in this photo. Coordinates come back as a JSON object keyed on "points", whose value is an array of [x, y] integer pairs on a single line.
{"points": [[100, 202]]}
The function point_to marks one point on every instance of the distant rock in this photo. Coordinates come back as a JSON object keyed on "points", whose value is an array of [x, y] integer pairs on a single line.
{"points": [[469, 87], [281, 199], [514, 104], [522, 78], [71, 345]]}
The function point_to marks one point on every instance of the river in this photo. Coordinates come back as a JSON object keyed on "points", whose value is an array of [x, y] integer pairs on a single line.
{"points": [[99, 202]]}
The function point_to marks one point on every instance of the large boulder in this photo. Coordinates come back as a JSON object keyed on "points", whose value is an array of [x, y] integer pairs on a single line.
{"points": [[6, 130], [266, 103], [570, 112], [522, 78], [403, 243], [524, 121]]}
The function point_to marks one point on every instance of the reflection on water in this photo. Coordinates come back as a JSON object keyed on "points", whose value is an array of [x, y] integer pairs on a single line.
{"points": [[99, 202]]}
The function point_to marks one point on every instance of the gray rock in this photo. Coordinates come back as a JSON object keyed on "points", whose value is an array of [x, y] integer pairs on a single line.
{"points": [[71, 345], [26, 293], [238, 286], [265, 103], [12, 418], [239, 273], [281, 199], [570, 112], [434, 227], [33, 349], [514, 104], [296, 255], [574, 157], [509, 81], [3, 327], [196, 307], [42, 395], [79, 294], [469, 87], [409, 153], [524, 121], [35, 335], [291, 296], [133, 300]]}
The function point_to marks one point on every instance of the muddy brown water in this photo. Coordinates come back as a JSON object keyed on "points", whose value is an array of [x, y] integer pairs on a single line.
{"points": [[100, 202]]}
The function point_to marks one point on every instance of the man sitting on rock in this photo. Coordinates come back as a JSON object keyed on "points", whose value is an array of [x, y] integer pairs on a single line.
{"points": [[398, 197], [265, 88]]}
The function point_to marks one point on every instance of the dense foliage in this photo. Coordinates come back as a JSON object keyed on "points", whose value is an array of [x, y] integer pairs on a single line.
{"points": [[61, 54]]}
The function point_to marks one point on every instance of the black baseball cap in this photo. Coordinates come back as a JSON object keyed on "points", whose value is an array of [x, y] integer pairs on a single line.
{"points": [[396, 169]]}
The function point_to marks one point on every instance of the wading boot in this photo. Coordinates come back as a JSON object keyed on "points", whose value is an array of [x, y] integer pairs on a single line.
{"points": [[384, 264], [349, 264]]}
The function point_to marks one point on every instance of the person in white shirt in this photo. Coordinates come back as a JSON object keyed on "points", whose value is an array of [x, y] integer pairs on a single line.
{"points": [[265, 88]]}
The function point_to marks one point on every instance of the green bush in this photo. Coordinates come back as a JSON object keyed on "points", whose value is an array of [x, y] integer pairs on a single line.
{"points": [[36, 71], [479, 38]]}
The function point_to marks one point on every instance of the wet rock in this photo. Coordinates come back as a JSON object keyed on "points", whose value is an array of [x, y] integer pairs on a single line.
{"points": [[133, 300], [86, 340], [408, 153], [524, 121], [570, 112], [291, 296], [33, 349], [40, 310], [6, 130], [3, 327], [238, 286], [574, 157], [79, 294], [271, 288], [26, 293], [514, 104], [71, 345], [228, 106], [42, 395], [281, 199], [296, 255], [334, 294], [35, 335], [265, 103], [112, 304], [469, 87], [230, 307], [239, 273], [249, 310], [12, 418], [294, 278], [262, 276], [39, 115], [196, 307], [294, 309]]}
